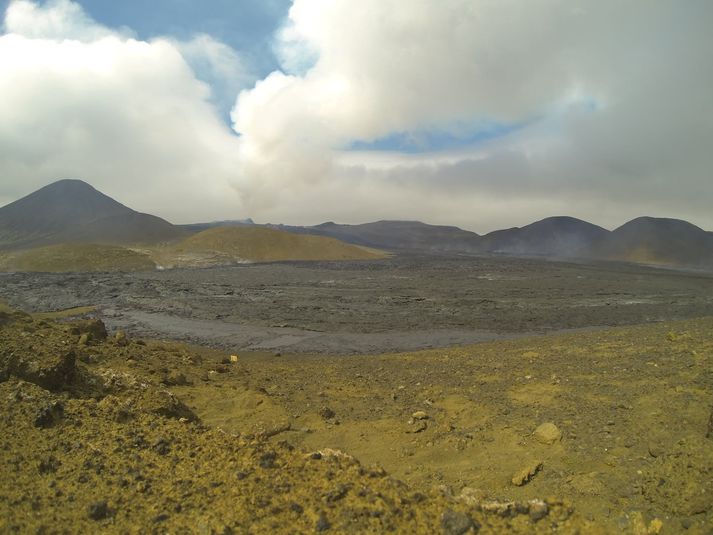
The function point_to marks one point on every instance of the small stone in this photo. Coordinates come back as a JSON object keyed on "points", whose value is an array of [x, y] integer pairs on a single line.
{"points": [[296, 508], [537, 509], [327, 413], [94, 329], [526, 474], [471, 496], [267, 460], [454, 523], [83, 339], [417, 427], [322, 523], [547, 433], [233, 359], [48, 465], [175, 378], [121, 339], [98, 510], [49, 415], [419, 415], [655, 450], [162, 446]]}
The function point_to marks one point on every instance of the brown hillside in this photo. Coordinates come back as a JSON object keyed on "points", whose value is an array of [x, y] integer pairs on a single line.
{"points": [[258, 244]]}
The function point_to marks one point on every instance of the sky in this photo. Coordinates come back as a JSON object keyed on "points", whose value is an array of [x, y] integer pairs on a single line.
{"points": [[474, 113]]}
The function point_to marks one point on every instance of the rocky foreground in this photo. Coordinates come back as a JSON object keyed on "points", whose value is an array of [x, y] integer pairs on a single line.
{"points": [[108, 434], [86, 449]]}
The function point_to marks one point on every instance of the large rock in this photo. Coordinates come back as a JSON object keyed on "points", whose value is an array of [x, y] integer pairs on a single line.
{"points": [[8, 316], [163, 403], [53, 371], [525, 475], [547, 433], [94, 329]]}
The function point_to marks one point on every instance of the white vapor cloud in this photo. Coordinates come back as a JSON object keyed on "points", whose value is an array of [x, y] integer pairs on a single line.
{"points": [[610, 100], [78, 100], [61, 19], [616, 94], [217, 64]]}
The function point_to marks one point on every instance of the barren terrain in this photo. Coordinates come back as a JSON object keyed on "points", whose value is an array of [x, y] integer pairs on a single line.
{"points": [[395, 304], [584, 408]]}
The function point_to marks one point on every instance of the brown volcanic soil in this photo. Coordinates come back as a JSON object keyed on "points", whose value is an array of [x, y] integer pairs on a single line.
{"points": [[632, 404], [92, 442]]}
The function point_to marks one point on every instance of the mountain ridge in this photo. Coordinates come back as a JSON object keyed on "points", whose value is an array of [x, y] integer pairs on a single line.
{"points": [[71, 210], [74, 211]]}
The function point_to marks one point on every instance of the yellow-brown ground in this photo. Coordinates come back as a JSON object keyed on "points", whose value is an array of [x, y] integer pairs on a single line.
{"points": [[633, 406]]}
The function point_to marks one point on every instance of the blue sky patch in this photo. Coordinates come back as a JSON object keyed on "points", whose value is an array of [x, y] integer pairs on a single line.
{"points": [[439, 140]]}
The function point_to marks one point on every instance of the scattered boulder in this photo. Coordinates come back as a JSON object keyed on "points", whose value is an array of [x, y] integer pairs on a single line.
{"points": [[526, 474], [163, 403], [175, 378], [322, 523], [327, 413], [9, 316], [121, 339], [49, 415], [417, 426], [54, 371], [419, 415], [455, 523], [471, 496], [94, 329], [537, 509], [98, 510], [547, 433]]}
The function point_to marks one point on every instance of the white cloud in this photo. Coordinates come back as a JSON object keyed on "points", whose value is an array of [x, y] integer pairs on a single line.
{"points": [[59, 20], [615, 95], [217, 64], [129, 116], [620, 91]]}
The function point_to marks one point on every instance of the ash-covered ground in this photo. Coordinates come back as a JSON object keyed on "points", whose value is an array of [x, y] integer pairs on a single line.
{"points": [[400, 303]]}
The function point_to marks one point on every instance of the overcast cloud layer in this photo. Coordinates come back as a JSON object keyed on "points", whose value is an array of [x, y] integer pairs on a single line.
{"points": [[600, 110]]}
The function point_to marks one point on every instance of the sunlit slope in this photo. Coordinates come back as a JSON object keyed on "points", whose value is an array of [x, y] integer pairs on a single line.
{"points": [[67, 257], [258, 244]]}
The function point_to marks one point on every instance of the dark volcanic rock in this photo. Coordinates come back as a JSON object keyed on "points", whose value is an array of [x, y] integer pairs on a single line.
{"points": [[454, 523], [49, 415], [95, 329], [164, 403], [53, 371], [98, 510]]}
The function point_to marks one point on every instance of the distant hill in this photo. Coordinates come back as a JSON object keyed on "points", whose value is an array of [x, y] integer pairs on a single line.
{"points": [[397, 236], [560, 236], [235, 244], [73, 211], [659, 241]]}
